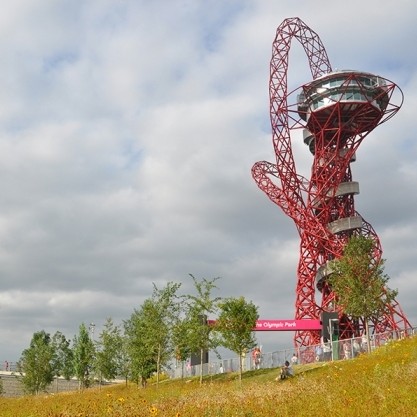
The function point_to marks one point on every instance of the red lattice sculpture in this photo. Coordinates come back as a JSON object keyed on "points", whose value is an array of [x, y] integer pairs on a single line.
{"points": [[335, 111]]}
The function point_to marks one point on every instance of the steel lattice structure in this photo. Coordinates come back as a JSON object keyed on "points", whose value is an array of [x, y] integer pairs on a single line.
{"points": [[335, 112]]}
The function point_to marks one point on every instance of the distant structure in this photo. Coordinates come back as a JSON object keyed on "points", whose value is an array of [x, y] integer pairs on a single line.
{"points": [[335, 112]]}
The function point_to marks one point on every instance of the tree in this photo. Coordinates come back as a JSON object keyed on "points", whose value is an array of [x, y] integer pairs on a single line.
{"points": [[63, 364], [124, 359], [198, 307], [109, 351], [165, 311], [359, 282], [180, 340], [235, 323], [37, 363], [142, 362], [83, 348], [149, 331], [139, 344]]}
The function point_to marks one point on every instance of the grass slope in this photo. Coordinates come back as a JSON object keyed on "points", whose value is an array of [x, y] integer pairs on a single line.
{"points": [[380, 384]]}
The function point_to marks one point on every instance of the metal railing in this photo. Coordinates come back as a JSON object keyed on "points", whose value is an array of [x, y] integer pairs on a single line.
{"points": [[9, 366], [331, 351]]}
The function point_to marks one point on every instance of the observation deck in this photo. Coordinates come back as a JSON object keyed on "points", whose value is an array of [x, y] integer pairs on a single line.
{"points": [[349, 100]]}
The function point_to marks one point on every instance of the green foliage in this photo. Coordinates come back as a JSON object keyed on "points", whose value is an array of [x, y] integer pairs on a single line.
{"points": [[235, 323], [139, 344], [134, 329], [124, 360], [108, 360], [165, 311], [180, 342], [37, 363], [149, 332], [180, 338], [63, 359], [84, 352], [359, 282], [200, 336]]}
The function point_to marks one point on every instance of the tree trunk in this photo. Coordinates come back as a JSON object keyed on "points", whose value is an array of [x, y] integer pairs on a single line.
{"points": [[201, 365], [158, 365], [368, 339]]}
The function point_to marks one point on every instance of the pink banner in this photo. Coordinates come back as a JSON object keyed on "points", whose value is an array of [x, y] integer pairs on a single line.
{"points": [[283, 325], [287, 325]]}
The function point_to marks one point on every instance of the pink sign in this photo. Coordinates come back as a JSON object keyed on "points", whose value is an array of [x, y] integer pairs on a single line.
{"points": [[287, 325], [282, 325]]}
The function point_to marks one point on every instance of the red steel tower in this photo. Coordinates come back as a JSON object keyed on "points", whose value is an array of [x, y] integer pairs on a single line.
{"points": [[334, 112]]}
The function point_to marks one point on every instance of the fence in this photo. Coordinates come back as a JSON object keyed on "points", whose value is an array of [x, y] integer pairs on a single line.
{"points": [[330, 351], [335, 350], [9, 366]]}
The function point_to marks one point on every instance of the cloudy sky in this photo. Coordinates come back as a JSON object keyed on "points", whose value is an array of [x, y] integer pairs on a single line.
{"points": [[128, 130]]}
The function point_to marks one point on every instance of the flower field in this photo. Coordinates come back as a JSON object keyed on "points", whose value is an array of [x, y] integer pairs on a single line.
{"points": [[380, 384]]}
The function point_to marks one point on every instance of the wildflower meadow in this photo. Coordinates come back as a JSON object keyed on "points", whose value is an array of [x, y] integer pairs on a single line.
{"points": [[379, 384]]}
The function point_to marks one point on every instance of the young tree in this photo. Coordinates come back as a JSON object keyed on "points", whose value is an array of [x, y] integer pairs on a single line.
{"points": [[360, 283], [165, 311], [37, 363], [235, 323], [108, 352], [198, 307], [150, 332], [62, 363], [83, 349], [139, 346], [125, 363], [180, 339]]}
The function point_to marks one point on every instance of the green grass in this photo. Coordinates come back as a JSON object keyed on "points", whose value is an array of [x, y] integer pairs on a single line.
{"points": [[380, 384]]}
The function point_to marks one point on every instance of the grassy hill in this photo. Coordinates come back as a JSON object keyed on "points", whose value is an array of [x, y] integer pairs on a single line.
{"points": [[380, 384]]}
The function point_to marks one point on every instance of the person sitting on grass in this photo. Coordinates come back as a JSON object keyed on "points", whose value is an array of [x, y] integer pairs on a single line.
{"points": [[286, 371]]}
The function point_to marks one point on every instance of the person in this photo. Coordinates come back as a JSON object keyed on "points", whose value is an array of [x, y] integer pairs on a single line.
{"points": [[256, 356], [285, 372], [327, 350], [294, 359], [319, 353], [356, 348], [346, 350], [364, 343]]}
